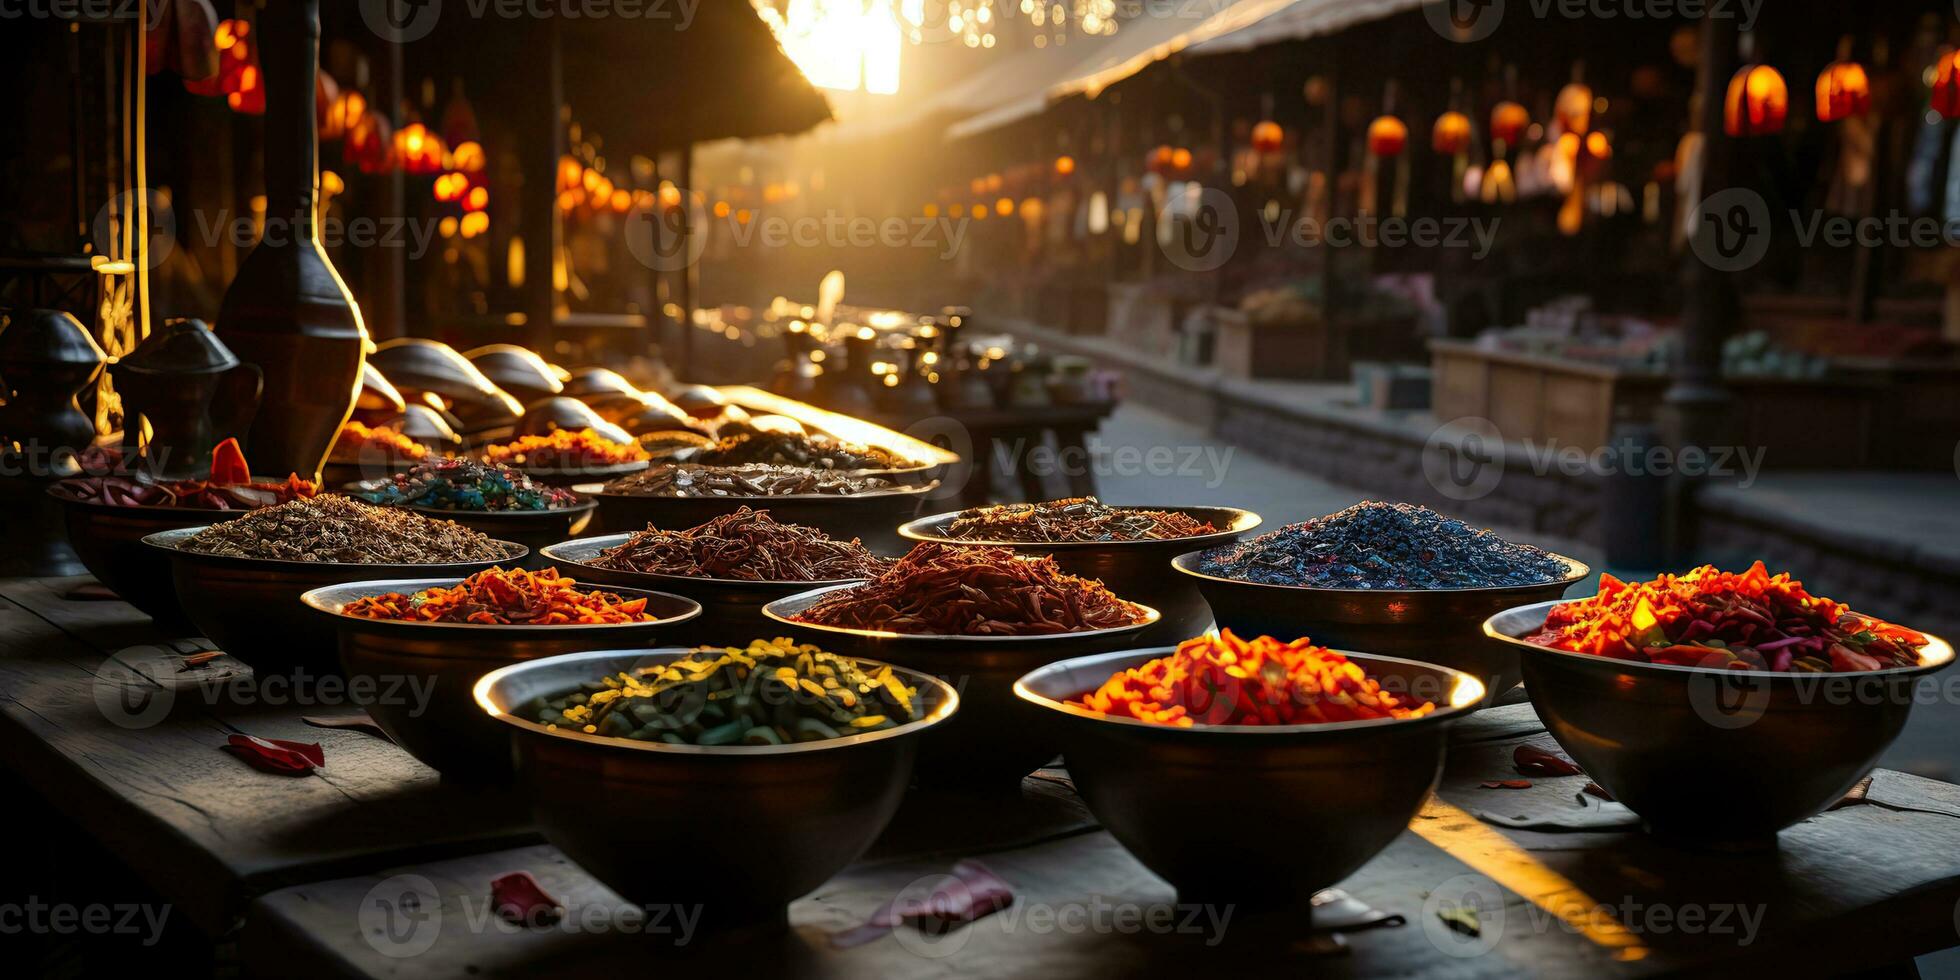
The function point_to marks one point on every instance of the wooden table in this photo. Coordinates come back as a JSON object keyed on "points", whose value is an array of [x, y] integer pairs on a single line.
{"points": [[307, 875]]}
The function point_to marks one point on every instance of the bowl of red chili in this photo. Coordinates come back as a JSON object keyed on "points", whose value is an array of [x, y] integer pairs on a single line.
{"points": [[1228, 768], [979, 618], [1720, 707], [413, 648]]}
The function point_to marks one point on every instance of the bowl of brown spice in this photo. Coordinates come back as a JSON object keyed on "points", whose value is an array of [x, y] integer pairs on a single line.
{"points": [[733, 565], [978, 618], [240, 582], [842, 505], [1128, 548]]}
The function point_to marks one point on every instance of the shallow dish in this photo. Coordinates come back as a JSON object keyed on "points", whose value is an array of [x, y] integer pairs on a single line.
{"points": [[1440, 626], [421, 674], [872, 518], [738, 830], [1718, 758], [565, 476]]}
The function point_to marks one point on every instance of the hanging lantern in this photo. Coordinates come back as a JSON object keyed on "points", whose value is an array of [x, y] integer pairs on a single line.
{"points": [[1757, 102], [451, 187], [1064, 165], [1451, 134], [1946, 86], [1843, 91], [1507, 122], [468, 157], [1267, 137], [1572, 110], [1497, 186], [234, 53], [479, 198], [369, 144], [1158, 161], [1387, 136], [1595, 151], [571, 176], [418, 150], [1181, 159], [346, 110], [250, 96]]}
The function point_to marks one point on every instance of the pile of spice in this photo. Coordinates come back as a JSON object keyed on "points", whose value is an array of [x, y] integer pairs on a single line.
{"points": [[564, 449], [1223, 680], [1712, 618], [332, 528], [797, 449], [748, 545], [1383, 546], [229, 487], [466, 484], [1072, 519], [753, 480], [500, 597], [974, 591], [773, 692], [357, 442]]}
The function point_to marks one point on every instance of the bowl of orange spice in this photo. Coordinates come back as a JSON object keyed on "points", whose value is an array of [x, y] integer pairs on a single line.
{"points": [[413, 648], [1333, 751], [563, 457]]}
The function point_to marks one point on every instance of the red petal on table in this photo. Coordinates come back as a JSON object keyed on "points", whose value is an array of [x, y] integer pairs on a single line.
{"points": [[1530, 760], [970, 893], [1508, 784], [519, 898], [277, 755], [1597, 790]]}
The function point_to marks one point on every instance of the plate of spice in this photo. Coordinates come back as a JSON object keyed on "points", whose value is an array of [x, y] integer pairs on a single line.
{"points": [[568, 456], [498, 500], [842, 505], [1126, 547], [1340, 748], [752, 722], [1741, 694], [1394, 579], [362, 451], [448, 632], [984, 615], [240, 582], [733, 565]]}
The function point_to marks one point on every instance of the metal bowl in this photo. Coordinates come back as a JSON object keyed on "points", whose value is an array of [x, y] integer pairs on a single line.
{"points": [[576, 476], [418, 676], [872, 518], [250, 607], [731, 609], [997, 738], [736, 831], [531, 528], [109, 540], [1716, 758], [1131, 569], [1432, 625], [1339, 792]]}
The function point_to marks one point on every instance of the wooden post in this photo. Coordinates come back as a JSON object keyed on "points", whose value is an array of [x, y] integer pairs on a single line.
{"points": [[689, 273], [385, 305], [542, 130]]}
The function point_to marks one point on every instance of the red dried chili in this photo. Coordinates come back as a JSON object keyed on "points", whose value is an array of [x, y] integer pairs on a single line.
{"points": [[965, 591], [499, 597]]}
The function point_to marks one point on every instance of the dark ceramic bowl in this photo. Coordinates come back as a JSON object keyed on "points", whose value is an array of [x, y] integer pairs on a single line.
{"points": [[251, 608], [421, 674], [734, 831], [872, 518], [1440, 626], [109, 540], [531, 528], [731, 609], [1709, 757], [567, 476], [1131, 569], [1338, 793], [998, 738]]}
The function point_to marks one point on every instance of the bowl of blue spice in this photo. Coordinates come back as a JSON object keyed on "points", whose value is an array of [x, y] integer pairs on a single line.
{"points": [[1394, 579], [497, 500]]}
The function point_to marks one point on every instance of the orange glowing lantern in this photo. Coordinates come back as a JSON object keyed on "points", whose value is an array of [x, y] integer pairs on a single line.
{"points": [[1757, 102], [1842, 91], [477, 199], [1572, 110], [418, 150], [370, 145], [1267, 137], [325, 92], [1181, 159], [468, 157], [342, 114], [1507, 123], [1946, 86], [1064, 165], [250, 96], [1387, 136], [451, 187], [234, 53], [1451, 134], [570, 174], [1158, 161]]}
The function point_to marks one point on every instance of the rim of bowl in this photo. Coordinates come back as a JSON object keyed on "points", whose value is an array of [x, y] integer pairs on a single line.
{"points": [[604, 541], [917, 530], [1935, 647], [598, 490], [582, 505], [167, 541], [314, 599], [610, 469], [1442, 712], [771, 611], [1185, 564], [949, 703]]}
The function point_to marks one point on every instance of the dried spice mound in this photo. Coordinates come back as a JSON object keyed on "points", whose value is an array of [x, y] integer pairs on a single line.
{"points": [[229, 487], [466, 484], [771, 693], [1073, 519], [1712, 618], [797, 449], [499, 597], [1383, 546], [564, 449], [1223, 680], [332, 528], [949, 590], [753, 480], [357, 441], [747, 544]]}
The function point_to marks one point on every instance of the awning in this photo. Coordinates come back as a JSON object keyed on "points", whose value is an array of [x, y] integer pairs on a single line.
{"points": [[1302, 20]]}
